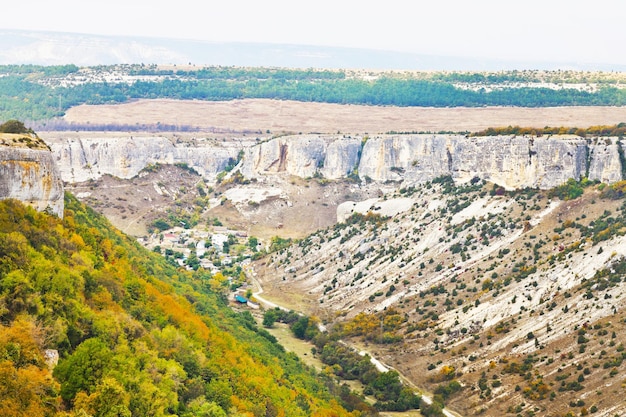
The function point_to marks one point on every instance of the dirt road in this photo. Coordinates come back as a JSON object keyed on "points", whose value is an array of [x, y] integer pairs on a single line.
{"points": [[427, 397]]}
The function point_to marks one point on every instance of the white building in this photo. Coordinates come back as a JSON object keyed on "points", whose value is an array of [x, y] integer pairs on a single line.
{"points": [[218, 240]]}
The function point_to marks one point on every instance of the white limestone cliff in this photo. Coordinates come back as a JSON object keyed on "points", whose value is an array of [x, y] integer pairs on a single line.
{"points": [[28, 173], [82, 159], [304, 156], [512, 162]]}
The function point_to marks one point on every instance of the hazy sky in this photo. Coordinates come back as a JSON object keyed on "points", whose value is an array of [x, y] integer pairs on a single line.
{"points": [[545, 30]]}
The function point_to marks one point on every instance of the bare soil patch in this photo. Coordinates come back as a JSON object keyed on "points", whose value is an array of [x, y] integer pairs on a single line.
{"points": [[132, 205], [260, 115]]}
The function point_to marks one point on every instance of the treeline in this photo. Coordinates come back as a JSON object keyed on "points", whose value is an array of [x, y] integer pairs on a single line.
{"points": [[383, 91], [23, 98], [347, 364], [135, 336], [238, 73], [618, 130], [530, 76], [485, 77], [59, 125], [63, 125], [49, 70]]}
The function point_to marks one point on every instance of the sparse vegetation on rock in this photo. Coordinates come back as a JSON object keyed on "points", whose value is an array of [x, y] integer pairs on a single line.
{"points": [[504, 287]]}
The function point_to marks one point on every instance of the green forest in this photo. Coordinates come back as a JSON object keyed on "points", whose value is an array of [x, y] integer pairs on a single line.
{"points": [[24, 95], [134, 335], [345, 362]]}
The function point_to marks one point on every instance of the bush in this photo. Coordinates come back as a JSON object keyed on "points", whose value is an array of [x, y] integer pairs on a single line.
{"points": [[14, 126], [161, 224], [570, 190]]}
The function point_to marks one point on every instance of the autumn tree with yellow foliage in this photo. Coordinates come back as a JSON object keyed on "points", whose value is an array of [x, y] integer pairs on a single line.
{"points": [[135, 336]]}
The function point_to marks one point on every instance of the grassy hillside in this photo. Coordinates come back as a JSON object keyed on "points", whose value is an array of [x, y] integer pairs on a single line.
{"points": [[135, 336]]}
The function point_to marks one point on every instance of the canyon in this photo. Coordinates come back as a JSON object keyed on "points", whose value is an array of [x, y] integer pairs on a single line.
{"points": [[439, 251]]}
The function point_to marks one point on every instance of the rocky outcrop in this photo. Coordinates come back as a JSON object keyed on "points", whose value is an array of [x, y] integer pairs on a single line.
{"points": [[604, 161], [412, 159], [513, 162], [28, 173], [82, 159], [303, 156]]}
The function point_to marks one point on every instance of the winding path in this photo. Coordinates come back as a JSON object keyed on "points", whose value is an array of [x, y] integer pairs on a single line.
{"points": [[427, 397]]}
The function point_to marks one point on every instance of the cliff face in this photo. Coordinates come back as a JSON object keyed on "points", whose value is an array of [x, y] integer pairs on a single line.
{"points": [[28, 173], [82, 159], [303, 156], [605, 164], [513, 162]]}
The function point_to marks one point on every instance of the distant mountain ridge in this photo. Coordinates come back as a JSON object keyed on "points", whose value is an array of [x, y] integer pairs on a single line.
{"points": [[53, 48]]}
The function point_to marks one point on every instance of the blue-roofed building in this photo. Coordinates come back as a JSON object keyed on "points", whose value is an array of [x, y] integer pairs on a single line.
{"points": [[241, 299]]}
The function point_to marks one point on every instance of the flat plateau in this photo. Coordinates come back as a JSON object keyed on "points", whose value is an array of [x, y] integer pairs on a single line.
{"points": [[260, 115]]}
